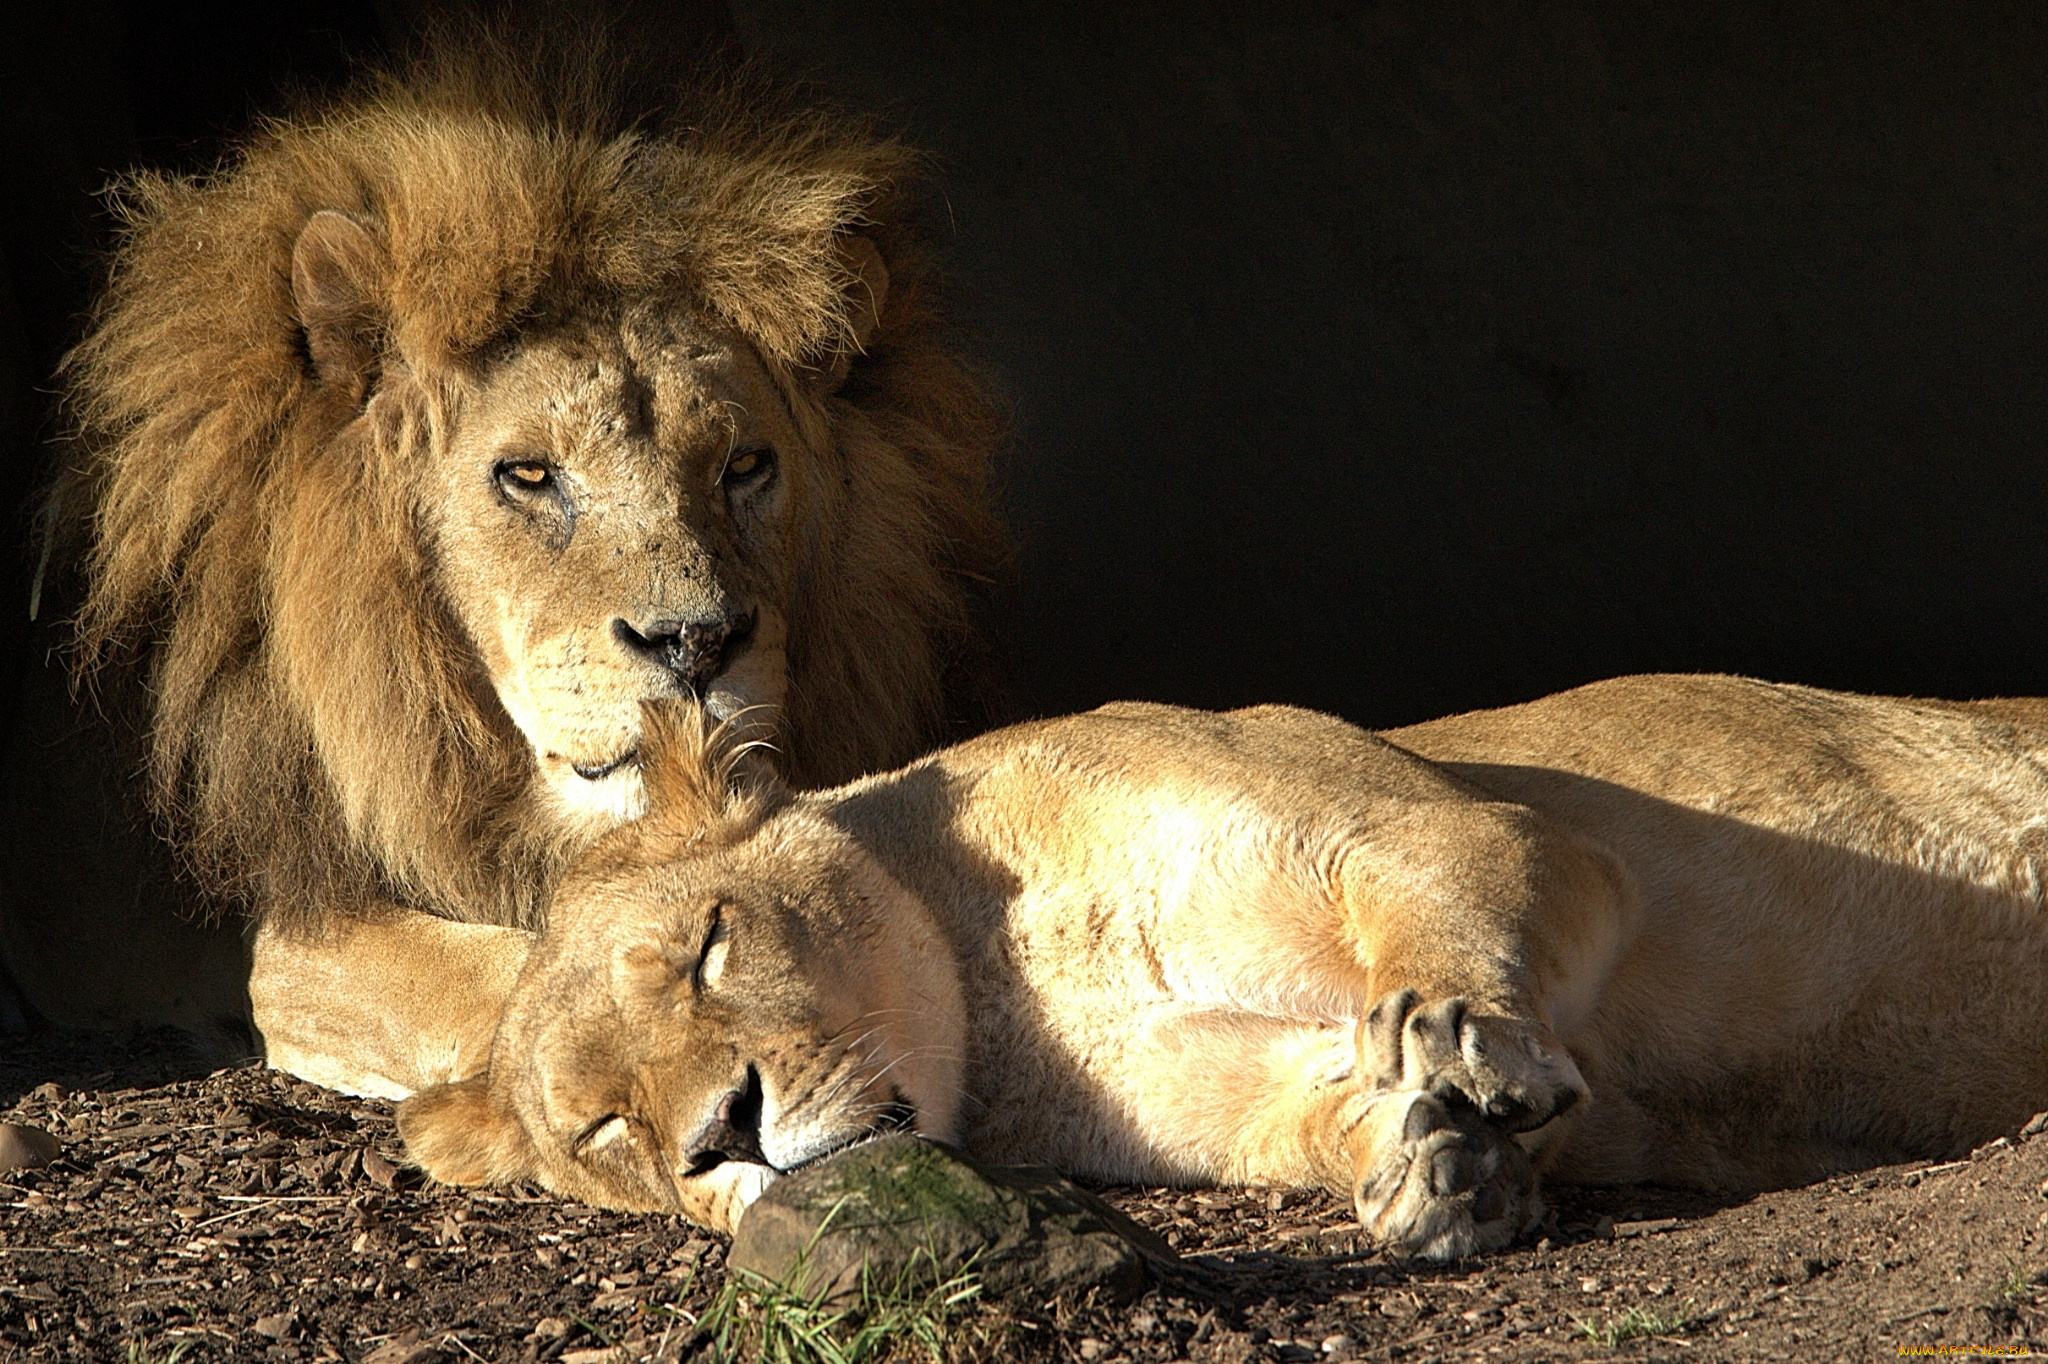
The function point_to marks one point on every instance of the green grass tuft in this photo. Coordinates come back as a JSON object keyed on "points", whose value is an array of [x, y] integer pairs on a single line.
{"points": [[913, 1317], [139, 1352], [1636, 1323]]}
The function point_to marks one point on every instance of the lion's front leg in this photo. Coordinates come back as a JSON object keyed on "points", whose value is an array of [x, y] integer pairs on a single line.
{"points": [[1240, 1098], [383, 1003]]}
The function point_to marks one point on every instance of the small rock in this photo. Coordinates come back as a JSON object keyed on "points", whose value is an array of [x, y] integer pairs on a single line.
{"points": [[380, 1170], [551, 1328], [1646, 1227], [403, 1348], [2036, 1125], [899, 1205], [278, 1325], [1592, 1286], [1339, 1346], [53, 1093], [1093, 1347], [26, 1148], [1996, 1144], [1277, 1200]]}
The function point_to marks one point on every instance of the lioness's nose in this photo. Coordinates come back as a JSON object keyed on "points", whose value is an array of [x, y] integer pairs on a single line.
{"points": [[694, 650], [734, 1131]]}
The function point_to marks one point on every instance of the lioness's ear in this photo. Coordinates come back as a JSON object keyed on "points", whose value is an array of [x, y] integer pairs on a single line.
{"points": [[867, 291], [338, 273], [462, 1133]]}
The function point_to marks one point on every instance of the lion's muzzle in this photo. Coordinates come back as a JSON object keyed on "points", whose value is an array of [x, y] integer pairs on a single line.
{"points": [[695, 651]]}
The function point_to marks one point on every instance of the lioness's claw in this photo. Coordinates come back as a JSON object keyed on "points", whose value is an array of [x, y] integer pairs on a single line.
{"points": [[1438, 1184], [1501, 1067]]}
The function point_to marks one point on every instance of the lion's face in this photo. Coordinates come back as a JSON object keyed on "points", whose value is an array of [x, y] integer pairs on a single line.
{"points": [[609, 527], [693, 1025]]}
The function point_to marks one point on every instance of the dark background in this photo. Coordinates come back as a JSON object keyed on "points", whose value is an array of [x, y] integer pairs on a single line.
{"points": [[1391, 358]]}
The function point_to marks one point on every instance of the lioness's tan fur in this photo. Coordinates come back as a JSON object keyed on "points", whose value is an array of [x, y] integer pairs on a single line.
{"points": [[270, 534], [1702, 931]]}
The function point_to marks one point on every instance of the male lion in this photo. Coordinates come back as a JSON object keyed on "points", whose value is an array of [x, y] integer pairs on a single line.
{"points": [[1693, 930], [434, 433]]}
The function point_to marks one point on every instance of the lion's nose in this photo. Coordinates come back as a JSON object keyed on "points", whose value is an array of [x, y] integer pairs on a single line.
{"points": [[694, 650], [734, 1131]]}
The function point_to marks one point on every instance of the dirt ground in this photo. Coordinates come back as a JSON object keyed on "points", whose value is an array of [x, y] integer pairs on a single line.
{"points": [[243, 1215]]}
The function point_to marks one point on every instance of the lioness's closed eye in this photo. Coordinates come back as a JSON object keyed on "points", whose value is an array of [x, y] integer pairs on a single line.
{"points": [[1593, 935]]}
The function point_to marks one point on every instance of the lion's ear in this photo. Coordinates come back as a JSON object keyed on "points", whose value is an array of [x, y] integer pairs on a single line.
{"points": [[338, 275], [462, 1133], [867, 293]]}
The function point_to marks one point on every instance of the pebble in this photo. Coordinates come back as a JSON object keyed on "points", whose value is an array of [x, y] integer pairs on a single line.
{"points": [[380, 1170], [2036, 1125], [26, 1148], [1592, 1286], [1093, 1347], [551, 1328], [405, 1348], [1339, 1347], [278, 1325]]}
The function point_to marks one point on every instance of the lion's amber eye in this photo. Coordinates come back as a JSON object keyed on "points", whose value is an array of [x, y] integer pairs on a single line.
{"points": [[745, 466], [524, 476]]}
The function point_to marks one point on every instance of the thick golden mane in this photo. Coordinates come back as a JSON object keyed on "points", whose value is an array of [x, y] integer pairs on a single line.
{"points": [[318, 729]]}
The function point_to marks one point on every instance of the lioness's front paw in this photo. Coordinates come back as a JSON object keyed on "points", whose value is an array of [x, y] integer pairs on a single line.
{"points": [[1499, 1065], [1440, 1184]]}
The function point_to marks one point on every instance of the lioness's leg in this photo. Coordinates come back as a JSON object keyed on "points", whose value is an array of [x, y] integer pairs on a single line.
{"points": [[1238, 1097], [384, 1003], [1488, 934]]}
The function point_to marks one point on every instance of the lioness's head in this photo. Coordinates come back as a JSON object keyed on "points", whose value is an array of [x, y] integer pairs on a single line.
{"points": [[727, 990]]}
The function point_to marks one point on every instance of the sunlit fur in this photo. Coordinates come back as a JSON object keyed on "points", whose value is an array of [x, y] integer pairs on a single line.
{"points": [[1689, 930], [320, 736]]}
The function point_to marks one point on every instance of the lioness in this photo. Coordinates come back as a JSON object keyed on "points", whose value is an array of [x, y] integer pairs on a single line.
{"points": [[1693, 930]]}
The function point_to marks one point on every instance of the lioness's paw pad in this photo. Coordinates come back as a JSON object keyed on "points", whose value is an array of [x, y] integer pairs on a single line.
{"points": [[1506, 1068], [1440, 1184]]}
